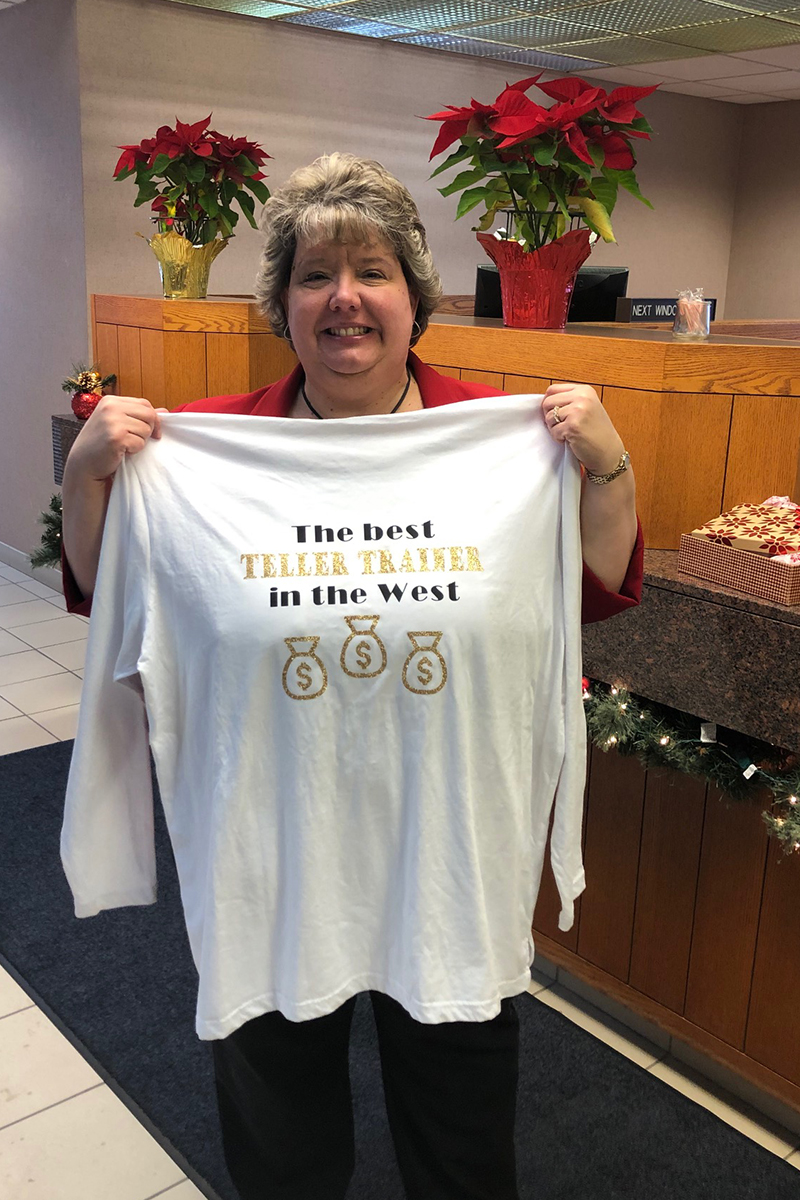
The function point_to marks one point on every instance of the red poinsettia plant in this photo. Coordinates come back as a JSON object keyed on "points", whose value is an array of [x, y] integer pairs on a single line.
{"points": [[545, 166], [191, 175]]}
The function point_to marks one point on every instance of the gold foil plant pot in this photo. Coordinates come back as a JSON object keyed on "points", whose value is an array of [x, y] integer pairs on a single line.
{"points": [[184, 268]]}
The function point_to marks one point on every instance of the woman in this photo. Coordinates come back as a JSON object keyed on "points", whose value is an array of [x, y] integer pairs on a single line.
{"points": [[347, 278]]}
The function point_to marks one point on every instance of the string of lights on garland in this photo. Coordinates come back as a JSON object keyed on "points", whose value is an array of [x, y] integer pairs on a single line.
{"points": [[742, 767]]}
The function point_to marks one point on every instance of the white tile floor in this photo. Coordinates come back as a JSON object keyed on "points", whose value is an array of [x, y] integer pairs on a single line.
{"points": [[64, 1134]]}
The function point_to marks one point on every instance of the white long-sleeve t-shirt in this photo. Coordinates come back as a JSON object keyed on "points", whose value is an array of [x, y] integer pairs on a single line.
{"points": [[353, 646]]}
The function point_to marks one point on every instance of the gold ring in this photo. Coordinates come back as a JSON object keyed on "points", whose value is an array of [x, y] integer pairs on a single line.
{"points": [[558, 419]]}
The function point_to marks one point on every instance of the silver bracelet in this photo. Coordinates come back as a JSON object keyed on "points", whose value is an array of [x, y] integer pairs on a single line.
{"points": [[621, 466]]}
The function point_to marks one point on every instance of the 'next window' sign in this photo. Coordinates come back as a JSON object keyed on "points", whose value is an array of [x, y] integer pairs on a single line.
{"points": [[631, 309]]}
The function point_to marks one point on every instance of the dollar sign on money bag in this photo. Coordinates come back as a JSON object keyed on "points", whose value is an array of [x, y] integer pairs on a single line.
{"points": [[363, 653], [424, 671], [304, 675]]}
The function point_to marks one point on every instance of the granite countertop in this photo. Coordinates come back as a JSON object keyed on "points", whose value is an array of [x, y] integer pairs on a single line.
{"points": [[704, 649], [661, 570]]}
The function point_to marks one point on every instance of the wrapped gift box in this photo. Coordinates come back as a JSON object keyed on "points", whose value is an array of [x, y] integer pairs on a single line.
{"points": [[769, 529], [754, 548]]}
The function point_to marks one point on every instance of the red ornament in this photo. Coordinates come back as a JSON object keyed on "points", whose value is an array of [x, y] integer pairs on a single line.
{"points": [[84, 404]]}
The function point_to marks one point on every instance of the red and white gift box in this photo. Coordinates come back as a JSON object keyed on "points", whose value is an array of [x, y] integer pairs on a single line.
{"points": [[754, 548]]}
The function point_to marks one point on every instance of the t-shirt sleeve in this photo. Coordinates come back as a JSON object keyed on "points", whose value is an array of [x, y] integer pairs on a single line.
{"points": [[566, 858], [598, 602], [107, 840]]}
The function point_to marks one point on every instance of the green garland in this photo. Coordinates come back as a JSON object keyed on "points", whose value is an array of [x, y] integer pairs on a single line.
{"points": [[740, 766], [49, 553]]}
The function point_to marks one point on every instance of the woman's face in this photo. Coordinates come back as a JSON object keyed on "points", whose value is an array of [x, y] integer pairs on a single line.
{"points": [[349, 308]]}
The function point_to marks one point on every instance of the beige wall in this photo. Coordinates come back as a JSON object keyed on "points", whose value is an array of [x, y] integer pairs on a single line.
{"points": [[302, 92], [764, 278], [42, 279]]}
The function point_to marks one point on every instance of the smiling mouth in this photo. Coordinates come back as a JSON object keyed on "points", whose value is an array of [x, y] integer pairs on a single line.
{"points": [[349, 331]]}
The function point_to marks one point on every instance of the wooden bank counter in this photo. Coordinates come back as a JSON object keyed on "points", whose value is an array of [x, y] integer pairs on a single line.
{"points": [[707, 425], [691, 914]]}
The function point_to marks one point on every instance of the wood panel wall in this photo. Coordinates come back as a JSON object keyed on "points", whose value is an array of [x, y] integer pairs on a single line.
{"points": [[690, 917]]}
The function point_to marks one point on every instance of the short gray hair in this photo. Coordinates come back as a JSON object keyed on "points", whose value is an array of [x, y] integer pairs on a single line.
{"points": [[345, 198]]}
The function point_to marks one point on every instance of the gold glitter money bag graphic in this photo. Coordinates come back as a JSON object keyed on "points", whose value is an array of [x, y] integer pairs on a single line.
{"points": [[363, 654], [424, 671], [304, 675]]}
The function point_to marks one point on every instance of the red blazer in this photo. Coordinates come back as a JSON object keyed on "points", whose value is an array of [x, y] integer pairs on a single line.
{"points": [[276, 400]]}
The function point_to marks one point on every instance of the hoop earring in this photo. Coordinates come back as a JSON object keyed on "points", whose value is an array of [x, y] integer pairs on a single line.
{"points": [[287, 336], [418, 334]]}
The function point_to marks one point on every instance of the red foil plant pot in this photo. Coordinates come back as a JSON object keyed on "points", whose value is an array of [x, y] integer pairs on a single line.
{"points": [[536, 285]]}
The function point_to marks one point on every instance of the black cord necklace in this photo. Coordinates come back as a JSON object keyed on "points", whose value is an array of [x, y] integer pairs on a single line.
{"points": [[394, 410]]}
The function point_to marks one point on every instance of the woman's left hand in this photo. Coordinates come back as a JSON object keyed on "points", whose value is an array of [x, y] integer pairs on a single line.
{"points": [[583, 424]]}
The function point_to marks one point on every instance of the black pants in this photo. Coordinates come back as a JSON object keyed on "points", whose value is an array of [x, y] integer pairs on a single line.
{"points": [[285, 1105]]}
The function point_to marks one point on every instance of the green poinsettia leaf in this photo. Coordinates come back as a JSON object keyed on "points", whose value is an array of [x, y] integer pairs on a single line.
{"points": [[539, 196], [259, 189], [145, 195], [248, 207], [208, 203], [470, 199], [574, 166], [525, 233], [226, 220], [196, 171], [499, 185], [596, 217], [560, 196], [490, 216], [596, 153], [604, 190], [160, 164], [457, 156], [626, 179], [462, 180], [641, 125], [544, 153]]}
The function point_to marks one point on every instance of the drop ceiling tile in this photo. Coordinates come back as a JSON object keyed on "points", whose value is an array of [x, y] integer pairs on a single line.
{"points": [[778, 56], [792, 94], [339, 4], [728, 37], [626, 51], [532, 31], [748, 98], [341, 22], [627, 75], [453, 43], [706, 66], [433, 15], [790, 14], [773, 81], [246, 8], [691, 88], [755, 6], [643, 17]]}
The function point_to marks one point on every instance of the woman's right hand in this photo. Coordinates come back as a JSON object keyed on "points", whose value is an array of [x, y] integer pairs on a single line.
{"points": [[119, 425]]}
